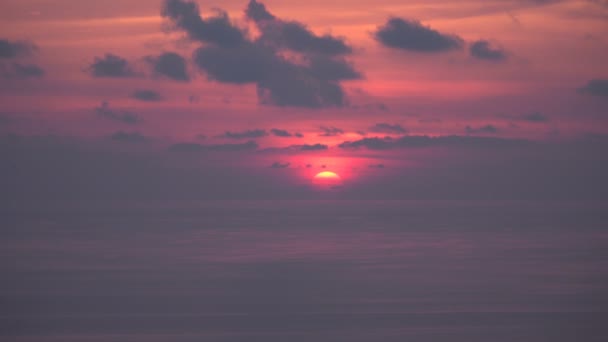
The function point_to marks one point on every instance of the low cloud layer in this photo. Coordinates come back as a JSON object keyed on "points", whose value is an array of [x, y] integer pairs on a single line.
{"points": [[420, 141], [128, 137], [248, 134], [486, 129], [284, 133], [411, 35]]}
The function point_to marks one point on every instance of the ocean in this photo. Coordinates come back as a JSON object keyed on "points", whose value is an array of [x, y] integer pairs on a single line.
{"points": [[305, 271]]}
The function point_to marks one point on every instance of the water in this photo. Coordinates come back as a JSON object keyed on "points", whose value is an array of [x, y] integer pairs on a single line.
{"points": [[305, 271]]}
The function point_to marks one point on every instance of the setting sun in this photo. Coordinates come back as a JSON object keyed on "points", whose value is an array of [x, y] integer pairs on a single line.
{"points": [[327, 179]]}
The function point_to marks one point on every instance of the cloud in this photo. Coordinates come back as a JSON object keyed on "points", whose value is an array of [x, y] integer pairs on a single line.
{"points": [[21, 71], [15, 49], [105, 111], [312, 81], [284, 133], [128, 137], [490, 129], [420, 141], [170, 65], [110, 66], [216, 29], [194, 147], [387, 128], [411, 35], [330, 131], [535, 117], [482, 49], [293, 35], [596, 87], [314, 147], [146, 95], [376, 166], [249, 134], [277, 165]]}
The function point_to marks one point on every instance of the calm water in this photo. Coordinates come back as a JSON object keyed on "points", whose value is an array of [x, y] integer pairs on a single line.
{"points": [[306, 271]]}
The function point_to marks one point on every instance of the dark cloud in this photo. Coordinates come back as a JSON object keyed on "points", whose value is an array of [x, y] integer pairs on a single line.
{"points": [[146, 95], [110, 66], [170, 65], [535, 117], [249, 134], [387, 128], [285, 133], [127, 117], [128, 137], [21, 71], [489, 129], [246, 63], [216, 29], [313, 82], [10, 49], [330, 131], [314, 147], [482, 49], [374, 143], [293, 35], [277, 165], [419, 141], [257, 12], [376, 166], [194, 147], [596, 87], [332, 69], [412, 35]]}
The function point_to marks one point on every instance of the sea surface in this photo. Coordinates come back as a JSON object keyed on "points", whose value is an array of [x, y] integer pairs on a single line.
{"points": [[305, 271]]}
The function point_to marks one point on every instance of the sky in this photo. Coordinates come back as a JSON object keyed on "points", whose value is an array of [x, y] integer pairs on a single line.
{"points": [[175, 99]]}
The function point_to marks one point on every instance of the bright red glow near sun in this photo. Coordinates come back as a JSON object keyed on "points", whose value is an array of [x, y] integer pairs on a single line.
{"points": [[327, 179]]}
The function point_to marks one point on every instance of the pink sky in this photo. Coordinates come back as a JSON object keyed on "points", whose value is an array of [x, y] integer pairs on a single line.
{"points": [[537, 85]]}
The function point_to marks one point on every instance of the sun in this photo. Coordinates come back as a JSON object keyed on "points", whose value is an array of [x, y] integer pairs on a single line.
{"points": [[327, 179]]}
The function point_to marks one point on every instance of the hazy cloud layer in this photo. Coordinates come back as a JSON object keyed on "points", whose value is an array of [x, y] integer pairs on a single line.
{"points": [[124, 116], [384, 127], [128, 137], [411, 35], [110, 66], [482, 49], [487, 129], [169, 65], [248, 134], [194, 147]]}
